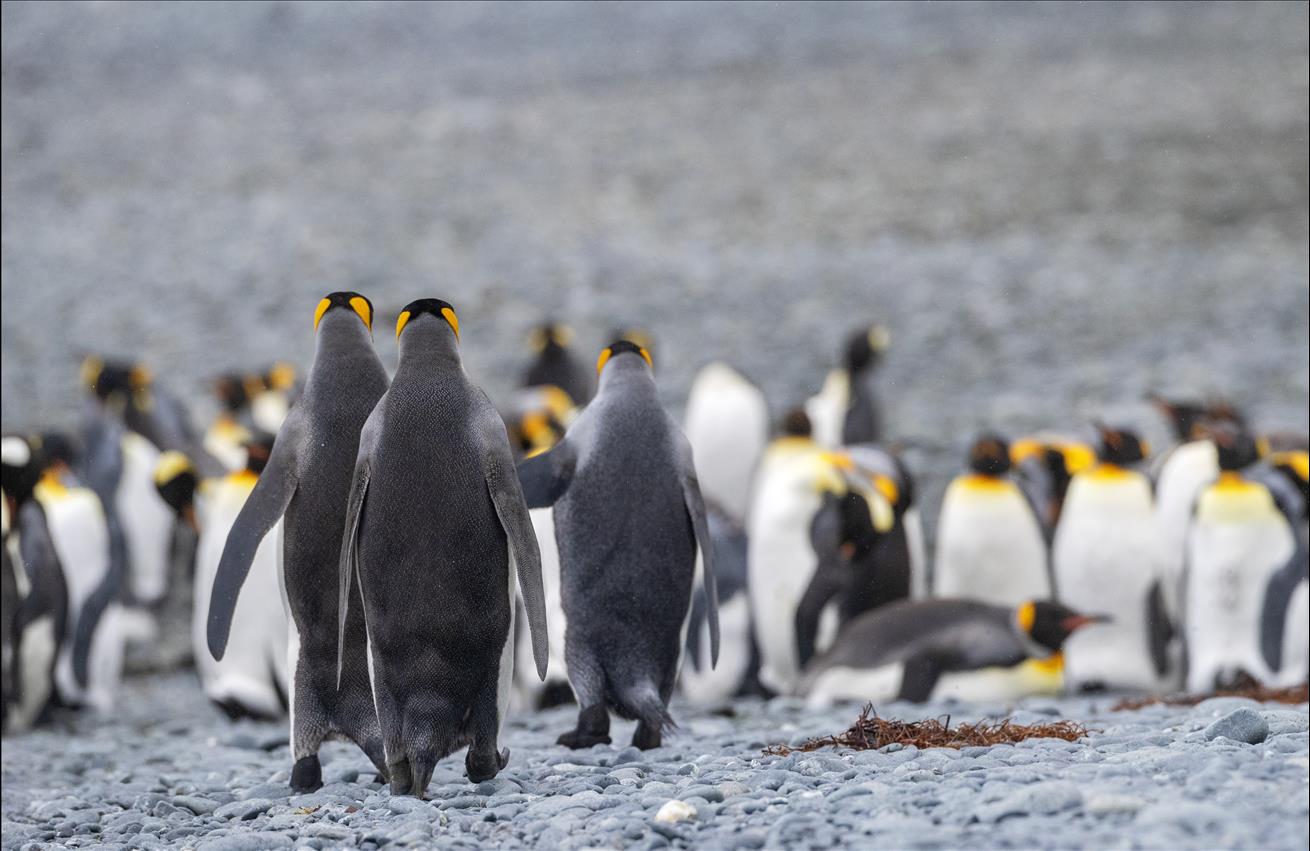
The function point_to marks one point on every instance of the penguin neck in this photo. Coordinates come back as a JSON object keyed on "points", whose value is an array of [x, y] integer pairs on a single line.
{"points": [[342, 341], [425, 348], [626, 375]]}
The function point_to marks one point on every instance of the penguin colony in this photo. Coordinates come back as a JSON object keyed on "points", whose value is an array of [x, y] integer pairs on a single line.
{"points": [[394, 561]]}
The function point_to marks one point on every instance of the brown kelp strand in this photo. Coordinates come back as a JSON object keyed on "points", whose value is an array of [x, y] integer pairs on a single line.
{"points": [[1291, 694], [872, 731]]}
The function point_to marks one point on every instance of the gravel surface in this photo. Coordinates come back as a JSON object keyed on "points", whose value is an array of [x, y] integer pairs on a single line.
{"points": [[170, 771]]}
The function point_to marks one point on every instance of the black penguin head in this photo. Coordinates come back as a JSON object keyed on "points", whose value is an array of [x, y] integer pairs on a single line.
{"points": [[863, 348], [621, 347], [176, 481], [55, 449], [1235, 447], [233, 391], [1186, 417], [990, 455], [435, 306], [108, 379], [20, 467], [258, 450], [796, 423], [1048, 623], [349, 300], [1120, 447], [551, 336]]}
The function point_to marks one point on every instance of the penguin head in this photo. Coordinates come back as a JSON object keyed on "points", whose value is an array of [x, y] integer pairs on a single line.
{"points": [[435, 307], [990, 455], [550, 336], [1120, 447], [258, 450], [109, 380], [350, 301], [231, 390], [55, 450], [796, 423], [1186, 417], [1235, 447], [1048, 623], [20, 468], [864, 347], [176, 481], [619, 348]]}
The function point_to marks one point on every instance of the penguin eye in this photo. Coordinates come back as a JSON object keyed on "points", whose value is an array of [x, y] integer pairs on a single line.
{"points": [[320, 310], [364, 309], [450, 317]]}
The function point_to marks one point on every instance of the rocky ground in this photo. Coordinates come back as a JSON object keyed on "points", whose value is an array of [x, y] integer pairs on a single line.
{"points": [[169, 771]]}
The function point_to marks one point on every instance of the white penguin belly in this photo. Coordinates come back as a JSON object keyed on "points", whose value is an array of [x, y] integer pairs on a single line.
{"points": [[249, 672], [37, 654], [1106, 557], [727, 425], [1187, 470], [781, 564], [543, 524], [874, 685], [989, 547], [1229, 566], [914, 539], [147, 520]]}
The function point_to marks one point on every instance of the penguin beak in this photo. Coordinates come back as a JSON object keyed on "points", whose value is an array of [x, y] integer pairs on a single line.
{"points": [[1076, 622]]}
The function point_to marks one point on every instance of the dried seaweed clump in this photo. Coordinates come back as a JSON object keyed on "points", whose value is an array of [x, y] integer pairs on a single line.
{"points": [[1256, 692], [872, 732]]}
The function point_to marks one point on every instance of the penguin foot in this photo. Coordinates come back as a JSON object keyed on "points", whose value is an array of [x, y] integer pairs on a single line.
{"points": [[307, 774], [482, 766], [577, 739], [555, 694], [400, 777], [646, 737]]}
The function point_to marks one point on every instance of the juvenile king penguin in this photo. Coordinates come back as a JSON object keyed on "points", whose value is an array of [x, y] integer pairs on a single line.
{"points": [[1106, 556], [990, 545], [902, 651], [555, 365], [40, 620], [1237, 541], [251, 680], [307, 483], [794, 477], [438, 530], [845, 411], [629, 519]]}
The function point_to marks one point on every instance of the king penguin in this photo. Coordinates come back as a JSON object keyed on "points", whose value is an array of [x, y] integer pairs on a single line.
{"points": [[554, 364], [1106, 558], [845, 410], [727, 425], [40, 620], [990, 545], [226, 436], [438, 531], [903, 651], [251, 679], [307, 483], [1285, 612], [1238, 539], [630, 520], [1044, 464]]}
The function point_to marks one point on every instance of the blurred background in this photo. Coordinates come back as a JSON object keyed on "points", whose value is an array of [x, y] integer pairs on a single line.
{"points": [[1053, 208]]}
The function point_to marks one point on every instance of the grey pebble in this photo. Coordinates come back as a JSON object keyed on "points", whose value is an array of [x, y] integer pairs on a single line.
{"points": [[1240, 725], [244, 810], [196, 804]]}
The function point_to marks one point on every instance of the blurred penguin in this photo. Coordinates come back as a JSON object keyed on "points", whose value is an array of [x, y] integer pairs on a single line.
{"points": [[554, 364], [1043, 466], [251, 679], [990, 545], [1285, 611], [1106, 557], [226, 437], [90, 663], [794, 475], [271, 396], [845, 410], [1237, 540], [36, 620]]}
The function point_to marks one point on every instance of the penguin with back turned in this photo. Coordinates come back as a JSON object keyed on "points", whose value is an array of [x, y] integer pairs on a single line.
{"points": [[845, 410], [1285, 612], [903, 650], [555, 364], [438, 531], [307, 483], [630, 521], [1106, 558], [990, 545]]}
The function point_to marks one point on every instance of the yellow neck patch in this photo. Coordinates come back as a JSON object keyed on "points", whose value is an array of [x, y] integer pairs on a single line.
{"points": [[977, 482], [1053, 664], [609, 351], [360, 306], [1026, 615], [1298, 461], [51, 486], [446, 313], [322, 308], [243, 477], [171, 465], [1107, 472]]}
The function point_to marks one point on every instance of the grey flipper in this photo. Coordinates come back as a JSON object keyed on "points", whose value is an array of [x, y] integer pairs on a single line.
{"points": [[368, 438], [545, 477], [1273, 615], [696, 508], [266, 503], [508, 497], [1159, 630], [93, 610], [825, 538]]}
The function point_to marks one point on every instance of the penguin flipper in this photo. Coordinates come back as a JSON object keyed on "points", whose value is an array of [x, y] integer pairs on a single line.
{"points": [[544, 478], [267, 502], [695, 503], [88, 619], [507, 495], [825, 538], [1273, 612], [350, 549], [1159, 629]]}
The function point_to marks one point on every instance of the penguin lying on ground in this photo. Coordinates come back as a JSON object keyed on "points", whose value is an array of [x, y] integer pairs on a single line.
{"points": [[251, 680], [1238, 540], [990, 545], [845, 411], [630, 520], [1106, 558], [40, 618], [438, 530], [902, 651], [307, 483]]}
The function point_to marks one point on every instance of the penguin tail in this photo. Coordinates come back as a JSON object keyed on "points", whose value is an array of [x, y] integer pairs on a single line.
{"points": [[641, 702]]}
